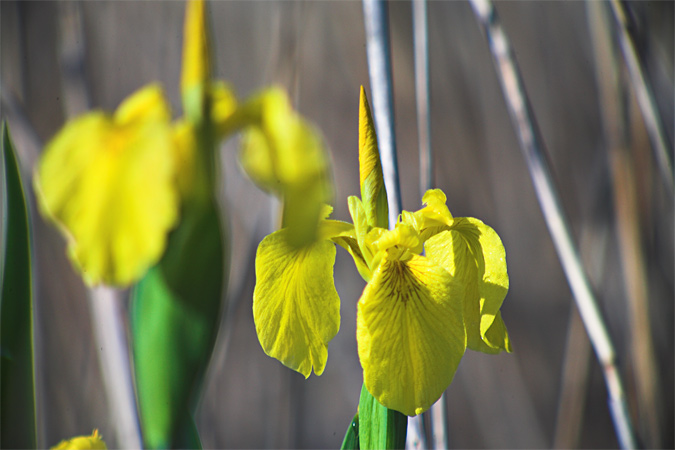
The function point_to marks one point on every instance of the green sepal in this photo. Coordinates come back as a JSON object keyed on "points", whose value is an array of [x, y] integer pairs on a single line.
{"points": [[351, 440], [380, 427], [175, 314], [17, 411]]}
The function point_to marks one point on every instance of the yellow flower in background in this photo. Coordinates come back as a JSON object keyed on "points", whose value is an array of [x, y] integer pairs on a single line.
{"points": [[435, 285], [108, 181], [114, 184], [284, 155], [93, 442]]}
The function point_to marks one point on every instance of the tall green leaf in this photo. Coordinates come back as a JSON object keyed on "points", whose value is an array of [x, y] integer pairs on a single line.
{"points": [[174, 320], [380, 427], [17, 411]]}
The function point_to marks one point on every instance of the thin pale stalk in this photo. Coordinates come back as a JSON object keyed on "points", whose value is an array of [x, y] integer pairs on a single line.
{"points": [[422, 97], [72, 55], [532, 147], [107, 314], [415, 438], [645, 97], [113, 353], [376, 18], [577, 356]]}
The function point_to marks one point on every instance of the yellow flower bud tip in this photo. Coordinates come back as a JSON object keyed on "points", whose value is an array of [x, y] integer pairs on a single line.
{"points": [[196, 46], [369, 156], [373, 192], [93, 442]]}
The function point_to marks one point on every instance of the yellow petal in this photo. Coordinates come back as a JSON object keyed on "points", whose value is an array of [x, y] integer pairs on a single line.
{"points": [[148, 104], [403, 235], [473, 252], [93, 442], [284, 155], [295, 305], [496, 338], [224, 105], [410, 333], [109, 183], [373, 192], [196, 73], [434, 217]]}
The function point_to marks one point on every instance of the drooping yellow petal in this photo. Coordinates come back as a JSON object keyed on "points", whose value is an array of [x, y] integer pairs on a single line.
{"points": [[196, 74], [373, 192], [93, 442], [284, 155], [473, 252], [410, 333], [109, 183], [296, 308]]}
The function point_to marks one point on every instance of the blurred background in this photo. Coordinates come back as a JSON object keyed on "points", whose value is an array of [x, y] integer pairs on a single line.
{"points": [[61, 58]]}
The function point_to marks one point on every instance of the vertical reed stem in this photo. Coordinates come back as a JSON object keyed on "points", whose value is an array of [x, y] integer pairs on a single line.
{"points": [[422, 97], [532, 147], [376, 17], [111, 342], [645, 98]]}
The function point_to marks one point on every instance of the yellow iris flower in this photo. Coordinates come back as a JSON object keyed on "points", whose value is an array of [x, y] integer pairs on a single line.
{"points": [[435, 284], [93, 442]]}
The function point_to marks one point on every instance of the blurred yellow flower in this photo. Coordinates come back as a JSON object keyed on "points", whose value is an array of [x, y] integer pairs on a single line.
{"points": [[93, 442], [109, 183], [284, 155]]}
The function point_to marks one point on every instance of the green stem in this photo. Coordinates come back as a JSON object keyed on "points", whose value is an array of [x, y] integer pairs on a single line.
{"points": [[380, 427]]}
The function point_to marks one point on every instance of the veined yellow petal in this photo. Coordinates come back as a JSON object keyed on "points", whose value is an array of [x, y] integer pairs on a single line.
{"points": [[373, 192], [93, 442], [296, 308], [285, 155], [410, 333], [109, 183], [473, 252]]}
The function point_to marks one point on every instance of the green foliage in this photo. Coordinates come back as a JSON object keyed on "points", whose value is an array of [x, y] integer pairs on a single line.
{"points": [[380, 427], [17, 411], [174, 320], [351, 440]]}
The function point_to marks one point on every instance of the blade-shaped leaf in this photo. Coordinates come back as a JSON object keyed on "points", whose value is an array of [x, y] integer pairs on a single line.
{"points": [[174, 319], [380, 427], [17, 413]]}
